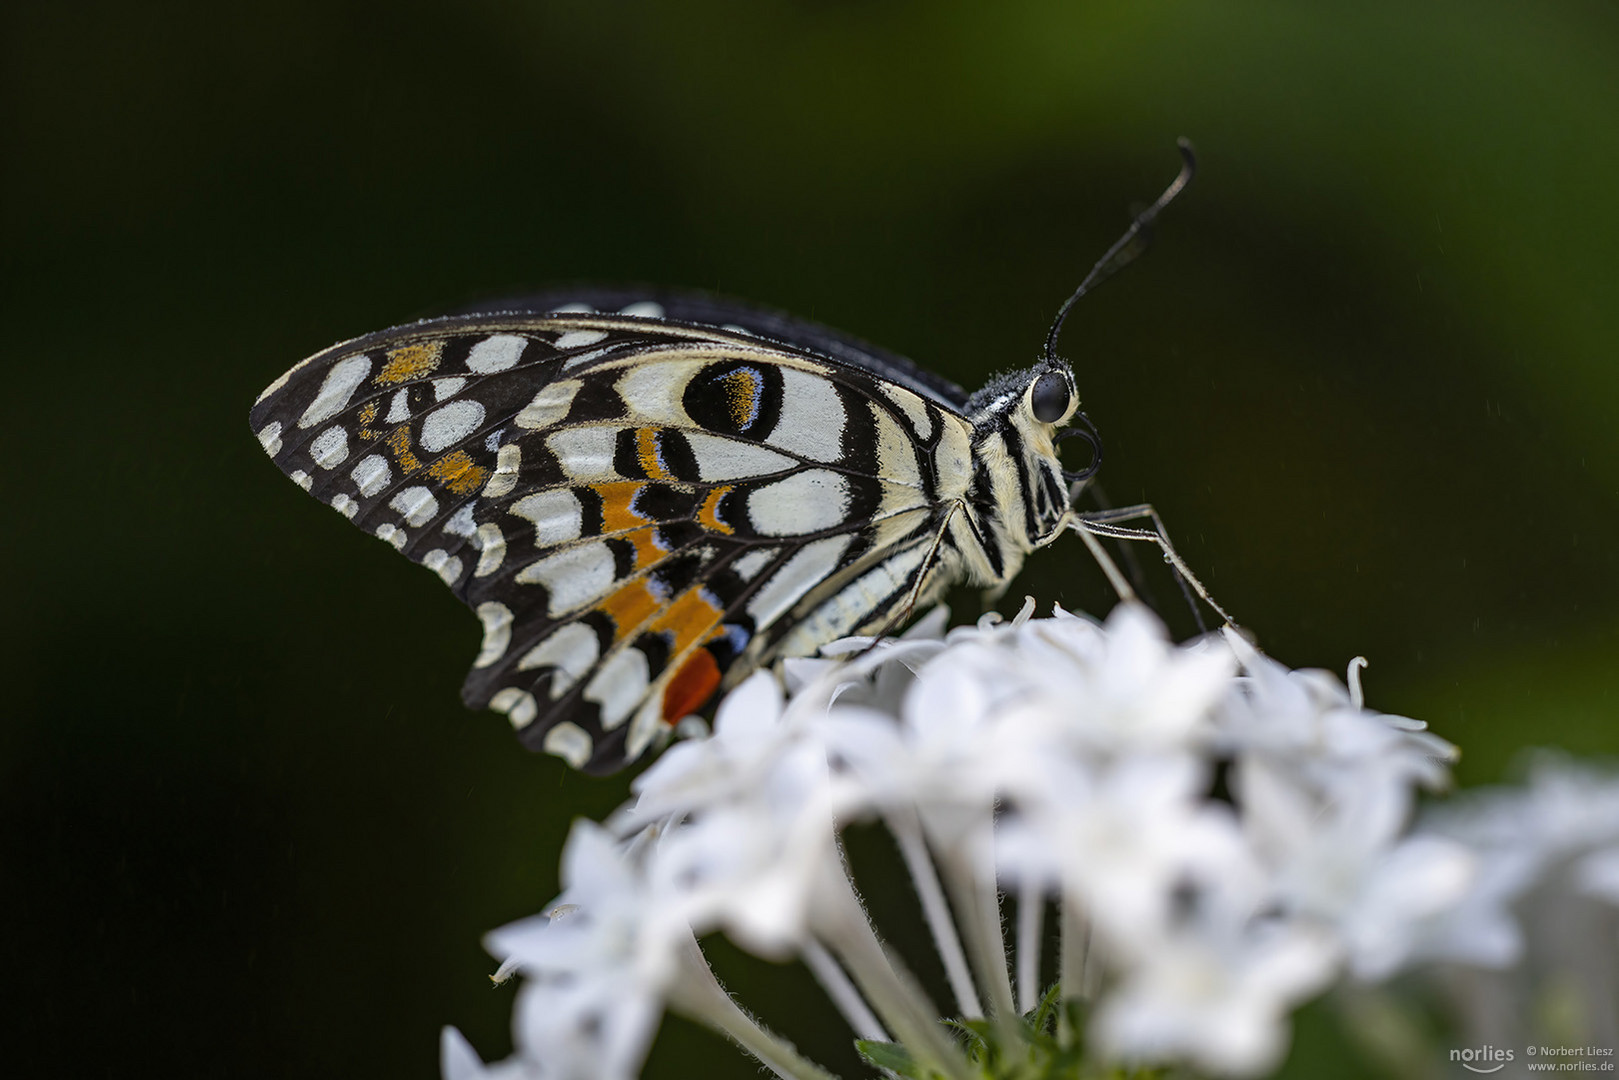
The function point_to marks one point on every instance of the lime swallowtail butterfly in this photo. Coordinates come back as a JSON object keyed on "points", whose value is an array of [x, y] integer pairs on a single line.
{"points": [[646, 496]]}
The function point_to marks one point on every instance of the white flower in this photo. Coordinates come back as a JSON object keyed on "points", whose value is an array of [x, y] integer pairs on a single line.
{"points": [[599, 965], [749, 736], [1225, 837], [1598, 874], [1309, 723], [1342, 861], [1560, 830], [459, 1061], [1216, 994], [1123, 687], [1119, 840], [751, 865]]}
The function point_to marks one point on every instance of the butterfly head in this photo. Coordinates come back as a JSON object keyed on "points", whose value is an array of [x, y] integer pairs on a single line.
{"points": [[1021, 418], [1047, 415]]}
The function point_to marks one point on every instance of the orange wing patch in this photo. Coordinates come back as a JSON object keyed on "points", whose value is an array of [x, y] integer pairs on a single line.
{"points": [[708, 513], [618, 498], [410, 362], [742, 388], [646, 449], [399, 443], [629, 607], [692, 685], [457, 472], [690, 619], [648, 549]]}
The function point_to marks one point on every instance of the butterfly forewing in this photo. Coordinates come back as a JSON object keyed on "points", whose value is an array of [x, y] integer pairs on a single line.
{"points": [[638, 510]]}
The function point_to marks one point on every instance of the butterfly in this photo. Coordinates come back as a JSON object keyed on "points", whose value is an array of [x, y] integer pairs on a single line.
{"points": [[646, 496]]}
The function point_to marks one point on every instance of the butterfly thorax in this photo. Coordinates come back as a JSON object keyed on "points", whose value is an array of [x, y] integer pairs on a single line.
{"points": [[1016, 500]]}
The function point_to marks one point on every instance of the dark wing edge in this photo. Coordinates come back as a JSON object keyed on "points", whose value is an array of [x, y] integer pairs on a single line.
{"points": [[698, 308]]}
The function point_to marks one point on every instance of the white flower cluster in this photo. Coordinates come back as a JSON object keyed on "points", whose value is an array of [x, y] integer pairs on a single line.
{"points": [[1222, 837]]}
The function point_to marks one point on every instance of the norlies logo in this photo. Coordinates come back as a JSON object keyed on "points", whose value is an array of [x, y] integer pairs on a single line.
{"points": [[1481, 1059]]}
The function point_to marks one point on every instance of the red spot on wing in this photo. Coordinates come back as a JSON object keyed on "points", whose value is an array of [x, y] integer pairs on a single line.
{"points": [[691, 687]]}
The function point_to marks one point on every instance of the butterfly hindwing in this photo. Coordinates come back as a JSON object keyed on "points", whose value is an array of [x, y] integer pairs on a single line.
{"points": [[637, 510]]}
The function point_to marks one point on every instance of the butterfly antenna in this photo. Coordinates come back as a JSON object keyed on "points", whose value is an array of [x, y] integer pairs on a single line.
{"points": [[1129, 246]]}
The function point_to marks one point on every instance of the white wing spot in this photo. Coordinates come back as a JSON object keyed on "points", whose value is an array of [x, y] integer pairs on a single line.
{"points": [[449, 424], [416, 505], [270, 437], [647, 726], [302, 479], [576, 339], [644, 309], [461, 523], [585, 453], [371, 475], [730, 459], [445, 565], [652, 391], [570, 742], [508, 461], [619, 686], [896, 452], [549, 405], [753, 562], [809, 566], [497, 632], [575, 308], [341, 382], [915, 410], [556, 514], [571, 651], [804, 502], [855, 603], [345, 506], [518, 705], [953, 460], [812, 417], [331, 447], [392, 535], [496, 353], [399, 407], [447, 388], [491, 545], [573, 577]]}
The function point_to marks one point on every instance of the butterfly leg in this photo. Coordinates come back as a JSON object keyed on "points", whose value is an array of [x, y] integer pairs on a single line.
{"points": [[902, 613], [1091, 524], [1124, 551]]}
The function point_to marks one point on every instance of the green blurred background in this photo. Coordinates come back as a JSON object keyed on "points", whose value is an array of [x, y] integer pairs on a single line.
{"points": [[1367, 373]]}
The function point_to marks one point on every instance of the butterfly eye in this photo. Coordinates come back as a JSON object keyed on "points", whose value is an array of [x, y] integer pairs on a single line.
{"points": [[1050, 398]]}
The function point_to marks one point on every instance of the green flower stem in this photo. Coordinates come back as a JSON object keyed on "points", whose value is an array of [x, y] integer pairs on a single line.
{"points": [[842, 924], [862, 1021], [907, 832], [1031, 910], [1074, 945], [972, 889], [697, 995]]}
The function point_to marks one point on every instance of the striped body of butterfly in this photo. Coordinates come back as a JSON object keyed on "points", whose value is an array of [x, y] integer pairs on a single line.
{"points": [[645, 499]]}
